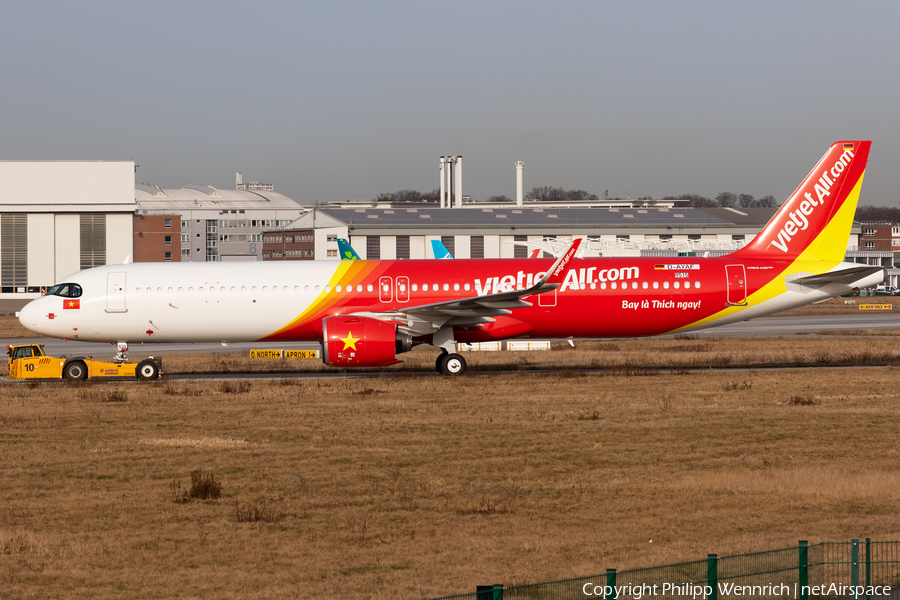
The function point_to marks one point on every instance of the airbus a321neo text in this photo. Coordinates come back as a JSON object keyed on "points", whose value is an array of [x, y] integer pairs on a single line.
{"points": [[366, 312]]}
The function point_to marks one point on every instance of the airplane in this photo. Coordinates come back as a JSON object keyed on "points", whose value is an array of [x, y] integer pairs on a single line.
{"points": [[346, 250], [440, 250], [366, 312]]}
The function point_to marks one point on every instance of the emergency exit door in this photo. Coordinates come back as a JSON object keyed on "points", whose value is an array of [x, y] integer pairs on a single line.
{"points": [[736, 281], [115, 292]]}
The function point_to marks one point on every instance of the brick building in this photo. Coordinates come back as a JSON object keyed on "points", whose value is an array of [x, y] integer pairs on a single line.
{"points": [[157, 238]]}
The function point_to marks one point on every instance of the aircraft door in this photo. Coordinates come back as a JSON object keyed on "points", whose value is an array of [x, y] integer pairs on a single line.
{"points": [[403, 289], [115, 292], [385, 289], [736, 280]]}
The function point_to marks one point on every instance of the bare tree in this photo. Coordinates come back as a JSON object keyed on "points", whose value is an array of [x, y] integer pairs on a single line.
{"points": [[500, 198], [546, 194], [768, 202], [747, 201], [726, 200]]}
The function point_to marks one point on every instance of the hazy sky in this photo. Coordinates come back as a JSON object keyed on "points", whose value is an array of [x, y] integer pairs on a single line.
{"points": [[344, 100]]}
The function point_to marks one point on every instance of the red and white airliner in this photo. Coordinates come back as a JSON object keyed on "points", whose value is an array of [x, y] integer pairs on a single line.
{"points": [[366, 312]]}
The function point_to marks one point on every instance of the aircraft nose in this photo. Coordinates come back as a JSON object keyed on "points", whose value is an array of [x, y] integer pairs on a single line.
{"points": [[29, 315]]}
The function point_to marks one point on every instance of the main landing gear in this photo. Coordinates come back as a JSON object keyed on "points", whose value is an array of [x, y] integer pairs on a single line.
{"points": [[450, 364]]}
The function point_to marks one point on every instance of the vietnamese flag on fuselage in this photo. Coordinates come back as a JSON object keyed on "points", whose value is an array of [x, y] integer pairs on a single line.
{"points": [[67, 304]]}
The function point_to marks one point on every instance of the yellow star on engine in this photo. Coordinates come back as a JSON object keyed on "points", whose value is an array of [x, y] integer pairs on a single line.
{"points": [[349, 341]]}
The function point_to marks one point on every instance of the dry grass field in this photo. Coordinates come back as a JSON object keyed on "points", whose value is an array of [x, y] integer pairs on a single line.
{"points": [[411, 487]]}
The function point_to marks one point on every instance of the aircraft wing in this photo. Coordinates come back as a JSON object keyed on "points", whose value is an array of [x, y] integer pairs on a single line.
{"points": [[844, 276], [428, 318]]}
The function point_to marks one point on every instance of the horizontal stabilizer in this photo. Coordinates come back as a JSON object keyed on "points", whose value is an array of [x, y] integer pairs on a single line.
{"points": [[843, 276]]}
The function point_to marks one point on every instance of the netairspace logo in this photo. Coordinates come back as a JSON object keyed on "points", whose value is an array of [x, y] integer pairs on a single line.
{"points": [[682, 591]]}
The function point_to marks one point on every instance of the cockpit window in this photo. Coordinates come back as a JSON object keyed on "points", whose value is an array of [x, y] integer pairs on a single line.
{"points": [[66, 290]]}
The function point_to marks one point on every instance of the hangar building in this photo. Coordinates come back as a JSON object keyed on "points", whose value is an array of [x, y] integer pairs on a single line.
{"points": [[60, 216]]}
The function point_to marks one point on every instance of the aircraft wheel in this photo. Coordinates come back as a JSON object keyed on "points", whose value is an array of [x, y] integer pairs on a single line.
{"points": [[147, 370], [453, 364], [439, 363], [75, 371]]}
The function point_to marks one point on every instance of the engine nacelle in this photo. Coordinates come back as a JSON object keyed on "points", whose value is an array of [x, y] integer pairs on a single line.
{"points": [[361, 342]]}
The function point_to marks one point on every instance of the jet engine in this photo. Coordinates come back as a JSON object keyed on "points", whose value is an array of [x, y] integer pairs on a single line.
{"points": [[361, 342]]}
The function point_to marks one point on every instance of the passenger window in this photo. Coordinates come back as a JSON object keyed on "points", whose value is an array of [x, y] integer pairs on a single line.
{"points": [[415, 287], [655, 285], [369, 288], [697, 284], [676, 285], [358, 287], [455, 287], [665, 284], [338, 288], [613, 285], [424, 287], [169, 290], [467, 287], [602, 285], [644, 285], [446, 287], [634, 285]]}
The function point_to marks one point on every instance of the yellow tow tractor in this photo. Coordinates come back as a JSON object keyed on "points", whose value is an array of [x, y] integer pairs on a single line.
{"points": [[29, 362]]}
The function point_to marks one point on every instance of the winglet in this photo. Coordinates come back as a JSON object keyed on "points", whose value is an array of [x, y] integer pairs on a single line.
{"points": [[557, 272]]}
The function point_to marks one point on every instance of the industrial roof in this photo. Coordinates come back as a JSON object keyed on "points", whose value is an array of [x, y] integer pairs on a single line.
{"points": [[546, 216], [207, 197]]}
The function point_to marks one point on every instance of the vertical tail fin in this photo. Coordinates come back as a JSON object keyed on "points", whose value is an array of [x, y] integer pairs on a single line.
{"points": [[815, 221]]}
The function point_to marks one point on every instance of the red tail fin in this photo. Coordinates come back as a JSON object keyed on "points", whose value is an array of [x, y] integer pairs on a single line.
{"points": [[816, 219]]}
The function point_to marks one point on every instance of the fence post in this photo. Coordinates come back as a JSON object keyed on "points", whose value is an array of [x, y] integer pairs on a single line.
{"points": [[804, 570], [868, 568], [611, 584], [854, 566], [712, 576]]}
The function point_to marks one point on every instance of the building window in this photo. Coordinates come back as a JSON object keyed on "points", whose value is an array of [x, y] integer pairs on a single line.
{"points": [[14, 249], [93, 241], [476, 246], [520, 250], [168, 224], [870, 245], [373, 247], [212, 240], [331, 238], [449, 242], [332, 253], [737, 237], [185, 238], [169, 256], [692, 236], [185, 253], [169, 240], [403, 246], [869, 231], [185, 224]]}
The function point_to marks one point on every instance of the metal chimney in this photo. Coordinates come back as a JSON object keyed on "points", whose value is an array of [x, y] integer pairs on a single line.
{"points": [[458, 171], [520, 187]]}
